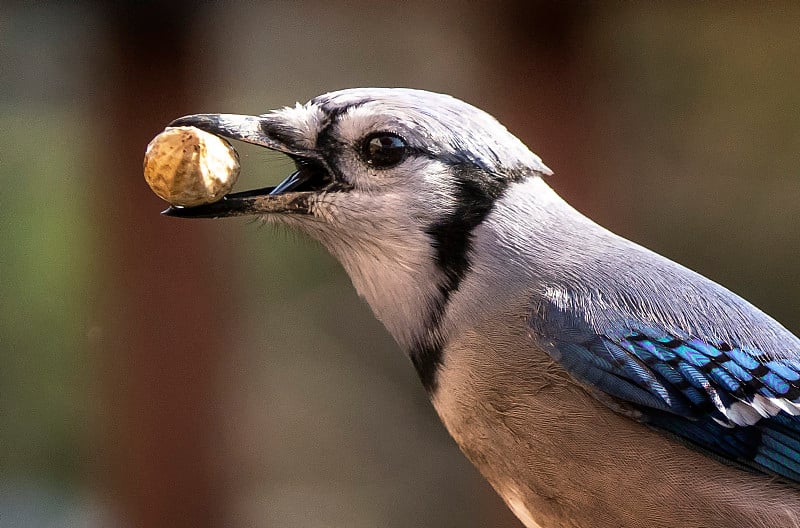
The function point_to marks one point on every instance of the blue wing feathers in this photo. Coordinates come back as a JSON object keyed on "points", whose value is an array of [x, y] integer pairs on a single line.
{"points": [[726, 371], [703, 347], [782, 369], [704, 392], [726, 381], [772, 443], [736, 371], [744, 359], [692, 356], [601, 370]]}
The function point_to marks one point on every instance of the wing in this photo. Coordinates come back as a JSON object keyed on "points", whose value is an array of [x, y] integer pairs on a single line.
{"points": [[735, 402]]}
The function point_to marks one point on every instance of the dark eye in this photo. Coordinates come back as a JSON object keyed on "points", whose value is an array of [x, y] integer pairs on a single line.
{"points": [[383, 150]]}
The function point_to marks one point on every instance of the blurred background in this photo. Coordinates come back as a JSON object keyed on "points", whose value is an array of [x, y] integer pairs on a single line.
{"points": [[158, 372]]}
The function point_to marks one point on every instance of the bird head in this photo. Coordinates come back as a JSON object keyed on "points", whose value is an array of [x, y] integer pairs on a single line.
{"points": [[391, 181]]}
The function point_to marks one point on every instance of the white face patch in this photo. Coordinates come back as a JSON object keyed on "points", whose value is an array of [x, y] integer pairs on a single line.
{"points": [[386, 253], [377, 230], [388, 225]]}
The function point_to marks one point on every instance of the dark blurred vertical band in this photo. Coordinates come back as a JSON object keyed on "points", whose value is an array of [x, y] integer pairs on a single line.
{"points": [[161, 325]]}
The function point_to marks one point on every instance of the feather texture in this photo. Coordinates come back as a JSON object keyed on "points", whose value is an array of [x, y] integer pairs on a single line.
{"points": [[736, 403], [492, 283]]}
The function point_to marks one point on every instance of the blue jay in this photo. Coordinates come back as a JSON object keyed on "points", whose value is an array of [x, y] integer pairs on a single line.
{"points": [[593, 382]]}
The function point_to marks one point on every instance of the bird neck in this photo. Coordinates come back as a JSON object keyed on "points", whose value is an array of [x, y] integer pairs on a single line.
{"points": [[397, 265], [390, 262]]}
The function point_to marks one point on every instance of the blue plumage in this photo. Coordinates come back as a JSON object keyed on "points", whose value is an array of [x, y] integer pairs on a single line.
{"points": [[728, 400], [458, 241]]}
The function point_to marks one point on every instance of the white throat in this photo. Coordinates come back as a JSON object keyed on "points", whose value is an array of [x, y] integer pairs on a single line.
{"points": [[389, 259]]}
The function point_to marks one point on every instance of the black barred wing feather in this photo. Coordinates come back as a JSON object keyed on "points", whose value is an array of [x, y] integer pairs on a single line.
{"points": [[734, 402]]}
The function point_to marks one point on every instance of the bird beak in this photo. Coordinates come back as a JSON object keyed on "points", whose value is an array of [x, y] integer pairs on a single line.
{"points": [[293, 195]]}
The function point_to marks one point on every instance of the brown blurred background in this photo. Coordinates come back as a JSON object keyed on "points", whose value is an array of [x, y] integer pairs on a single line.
{"points": [[158, 372]]}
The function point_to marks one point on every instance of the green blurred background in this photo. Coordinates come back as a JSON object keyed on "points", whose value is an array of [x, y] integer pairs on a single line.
{"points": [[162, 372]]}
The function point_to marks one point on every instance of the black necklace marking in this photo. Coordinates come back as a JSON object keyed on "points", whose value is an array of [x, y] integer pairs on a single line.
{"points": [[477, 191]]}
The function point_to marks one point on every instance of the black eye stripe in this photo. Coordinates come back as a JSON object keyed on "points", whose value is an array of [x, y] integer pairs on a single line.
{"points": [[383, 149]]}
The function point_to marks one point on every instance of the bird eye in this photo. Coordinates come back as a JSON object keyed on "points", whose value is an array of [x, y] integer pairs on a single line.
{"points": [[383, 150]]}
